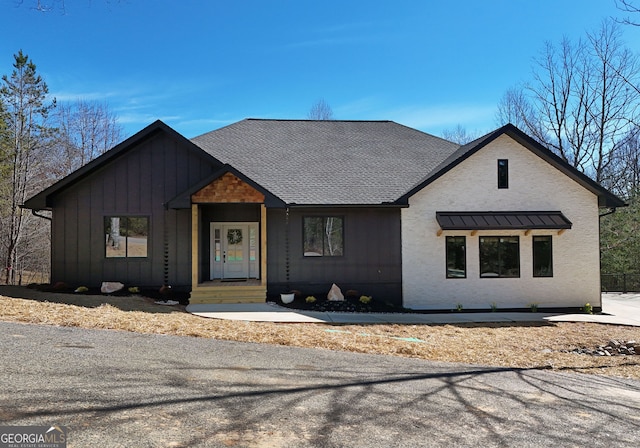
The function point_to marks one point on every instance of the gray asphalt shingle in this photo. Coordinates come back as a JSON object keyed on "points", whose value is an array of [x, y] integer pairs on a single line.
{"points": [[328, 162]]}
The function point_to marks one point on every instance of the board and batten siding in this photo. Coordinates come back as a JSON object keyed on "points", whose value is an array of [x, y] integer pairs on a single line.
{"points": [[371, 263], [534, 185], [138, 183]]}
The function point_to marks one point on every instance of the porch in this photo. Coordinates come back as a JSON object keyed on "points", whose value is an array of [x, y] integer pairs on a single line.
{"points": [[229, 242]]}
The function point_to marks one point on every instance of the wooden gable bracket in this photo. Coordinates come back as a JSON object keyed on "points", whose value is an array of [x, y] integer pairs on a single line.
{"points": [[474, 232], [527, 232], [561, 231], [439, 232]]}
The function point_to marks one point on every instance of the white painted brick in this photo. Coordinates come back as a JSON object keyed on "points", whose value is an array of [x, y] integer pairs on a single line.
{"points": [[534, 185]]}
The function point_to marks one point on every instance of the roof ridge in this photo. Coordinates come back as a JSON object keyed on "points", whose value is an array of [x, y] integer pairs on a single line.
{"points": [[316, 120]]}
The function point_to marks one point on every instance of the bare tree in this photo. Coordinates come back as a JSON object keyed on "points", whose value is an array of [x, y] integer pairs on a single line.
{"points": [[50, 5], [629, 7], [624, 169], [85, 131], [459, 135], [320, 111], [580, 103]]}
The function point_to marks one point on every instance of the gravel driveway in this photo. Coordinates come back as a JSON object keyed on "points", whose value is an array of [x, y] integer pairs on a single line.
{"points": [[117, 389]]}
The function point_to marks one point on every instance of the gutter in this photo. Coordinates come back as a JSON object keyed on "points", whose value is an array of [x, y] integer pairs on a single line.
{"points": [[610, 212], [35, 213]]}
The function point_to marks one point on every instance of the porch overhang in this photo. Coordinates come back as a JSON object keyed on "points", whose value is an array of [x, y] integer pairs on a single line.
{"points": [[185, 199], [505, 220]]}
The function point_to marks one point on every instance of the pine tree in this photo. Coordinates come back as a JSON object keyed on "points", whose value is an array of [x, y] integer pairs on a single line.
{"points": [[25, 110]]}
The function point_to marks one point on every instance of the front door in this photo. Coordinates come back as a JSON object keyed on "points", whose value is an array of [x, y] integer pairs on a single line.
{"points": [[235, 260], [234, 250]]}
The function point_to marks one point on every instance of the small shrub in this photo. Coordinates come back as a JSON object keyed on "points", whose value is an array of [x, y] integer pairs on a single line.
{"points": [[81, 289], [588, 308], [494, 307], [134, 290], [365, 299], [533, 307], [459, 307], [310, 299]]}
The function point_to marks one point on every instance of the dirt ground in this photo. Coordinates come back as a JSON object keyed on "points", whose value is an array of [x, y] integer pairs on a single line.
{"points": [[533, 345]]}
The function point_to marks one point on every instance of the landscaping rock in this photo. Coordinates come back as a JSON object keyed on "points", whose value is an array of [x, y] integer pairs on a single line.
{"points": [[110, 287], [335, 294], [613, 348]]}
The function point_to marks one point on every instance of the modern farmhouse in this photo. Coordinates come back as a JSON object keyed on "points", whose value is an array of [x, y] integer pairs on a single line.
{"points": [[260, 207]]}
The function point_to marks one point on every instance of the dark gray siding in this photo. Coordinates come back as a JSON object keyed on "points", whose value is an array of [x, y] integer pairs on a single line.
{"points": [[371, 264], [139, 182]]}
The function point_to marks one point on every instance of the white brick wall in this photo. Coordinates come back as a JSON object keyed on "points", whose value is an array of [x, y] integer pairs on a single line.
{"points": [[534, 185]]}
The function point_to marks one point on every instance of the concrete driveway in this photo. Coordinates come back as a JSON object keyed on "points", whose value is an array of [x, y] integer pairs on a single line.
{"points": [[118, 389]]}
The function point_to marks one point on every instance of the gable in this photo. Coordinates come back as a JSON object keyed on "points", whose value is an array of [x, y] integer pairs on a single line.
{"points": [[228, 189], [147, 159], [534, 184], [523, 141]]}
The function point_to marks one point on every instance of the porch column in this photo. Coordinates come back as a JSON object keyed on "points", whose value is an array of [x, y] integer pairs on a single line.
{"points": [[195, 258], [263, 245]]}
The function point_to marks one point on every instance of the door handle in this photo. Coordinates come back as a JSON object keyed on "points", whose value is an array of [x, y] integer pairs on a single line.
{"points": [[224, 256]]}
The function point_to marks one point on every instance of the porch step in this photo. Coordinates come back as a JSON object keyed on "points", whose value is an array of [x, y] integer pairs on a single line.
{"points": [[229, 294]]}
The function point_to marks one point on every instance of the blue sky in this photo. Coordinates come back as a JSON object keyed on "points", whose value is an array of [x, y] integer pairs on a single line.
{"points": [[199, 65]]}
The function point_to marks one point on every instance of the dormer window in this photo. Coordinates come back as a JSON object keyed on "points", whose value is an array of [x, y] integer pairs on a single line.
{"points": [[503, 173]]}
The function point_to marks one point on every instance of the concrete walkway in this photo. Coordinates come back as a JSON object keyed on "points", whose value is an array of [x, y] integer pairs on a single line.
{"points": [[618, 309]]}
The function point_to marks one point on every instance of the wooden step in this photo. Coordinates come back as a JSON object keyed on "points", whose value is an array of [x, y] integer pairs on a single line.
{"points": [[229, 294]]}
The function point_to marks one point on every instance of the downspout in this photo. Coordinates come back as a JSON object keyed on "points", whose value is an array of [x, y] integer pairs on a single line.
{"points": [[611, 211], [286, 250]]}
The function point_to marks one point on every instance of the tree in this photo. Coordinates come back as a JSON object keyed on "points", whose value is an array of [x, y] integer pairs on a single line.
{"points": [[25, 113], [580, 102], [459, 135], [85, 131], [619, 242], [628, 6], [50, 5], [320, 111]]}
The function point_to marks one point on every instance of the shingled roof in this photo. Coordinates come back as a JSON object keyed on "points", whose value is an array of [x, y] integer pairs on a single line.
{"points": [[310, 162]]}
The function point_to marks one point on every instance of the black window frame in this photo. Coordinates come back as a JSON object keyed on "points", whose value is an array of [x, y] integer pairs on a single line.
{"points": [[503, 173], [535, 254], [502, 254], [450, 270], [126, 236], [324, 254]]}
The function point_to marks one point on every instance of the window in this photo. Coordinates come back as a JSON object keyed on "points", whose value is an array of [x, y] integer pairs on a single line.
{"points": [[323, 236], [499, 256], [126, 236], [542, 256], [503, 173], [456, 257]]}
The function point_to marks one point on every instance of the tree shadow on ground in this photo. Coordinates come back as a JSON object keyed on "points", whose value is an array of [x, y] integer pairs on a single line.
{"points": [[125, 302]]}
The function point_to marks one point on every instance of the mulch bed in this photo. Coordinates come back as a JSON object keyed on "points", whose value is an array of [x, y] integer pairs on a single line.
{"points": [[159, 295], [350, 304]]}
